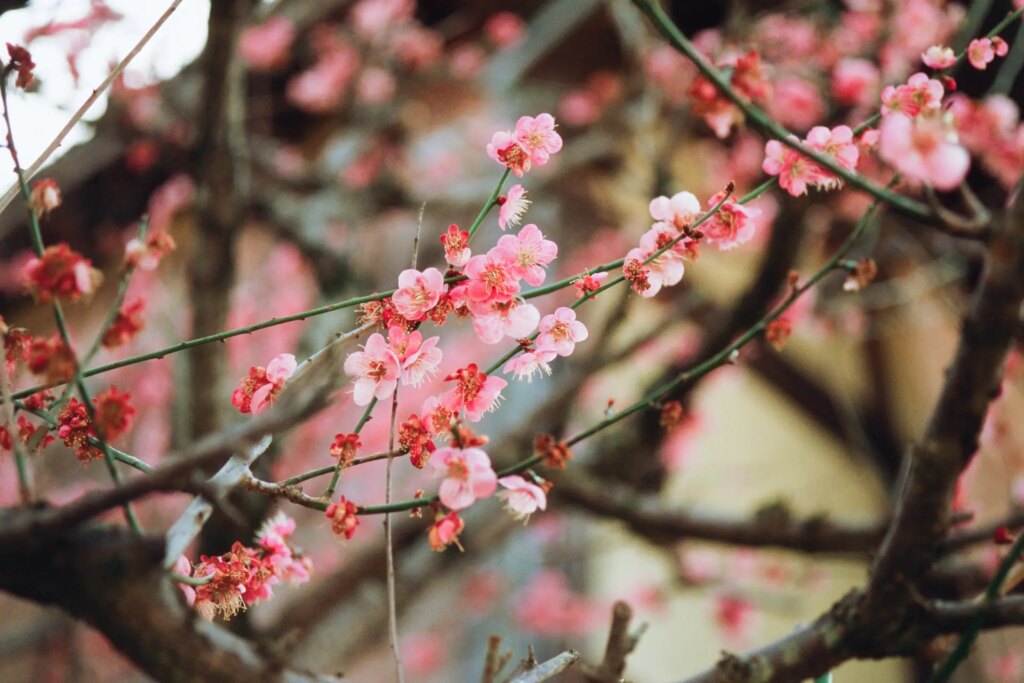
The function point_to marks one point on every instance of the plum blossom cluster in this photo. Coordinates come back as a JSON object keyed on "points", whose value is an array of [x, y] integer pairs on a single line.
{"points": [[797, 172], [918, 138], [532, 142], [245, 575], [983, 51], [747, 78], [113, 413], [658, 261], [257, 391], [403, 356]]}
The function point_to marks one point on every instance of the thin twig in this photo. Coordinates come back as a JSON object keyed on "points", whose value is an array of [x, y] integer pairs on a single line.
{"points": [[388, 550], [963, 647], [26, 487], [549, 669]]}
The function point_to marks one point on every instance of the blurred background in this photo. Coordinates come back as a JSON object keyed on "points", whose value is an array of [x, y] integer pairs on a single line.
{"points": [[290, 149]]}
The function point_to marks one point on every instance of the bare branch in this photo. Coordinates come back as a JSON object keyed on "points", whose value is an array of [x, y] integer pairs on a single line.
{"points": [[120, 589], [661, 523], [620, 644], [550, 668]]}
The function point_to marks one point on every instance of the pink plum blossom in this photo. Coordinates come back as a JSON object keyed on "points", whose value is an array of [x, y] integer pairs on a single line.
{"points": [[664, 271], [376, 370], [513, 206], [418, 292], [938, 57], [499, 319], [587, 283], [417, 47], [273, 537], [734, 224], [437, 414], [924, 149], [321, 89], [680, 211], [260, 387], [561, 331], [982, 51], [920, 93], [795, 171], [375, 85], [522, 497], [468, 476], [278, 371], [527, 253], [445, 530], [456, 246], [507, 150], [538, 137], [418, 358], [474, 392], [490, 277], [579, 108], [837, 143], [735, 616], [525, 365], [423, 654]]}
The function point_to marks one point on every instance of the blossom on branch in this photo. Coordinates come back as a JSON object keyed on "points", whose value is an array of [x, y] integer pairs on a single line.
{"points": [[376, 370], [924, 149], [61, 273], [938, 57], [256, 392], [511, 207], [445, 531], [560, 332], [343, 517], [468, 476], [983, 51], [418, 358], [522, 497], [418, 292], [527, 253], [474, 392]]}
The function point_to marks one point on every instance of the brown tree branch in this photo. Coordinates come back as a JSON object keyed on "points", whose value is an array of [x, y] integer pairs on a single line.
{"points": [[112, 579], [887, 619], [951, 437], [663, 523], [549, 669], [620, 644]]}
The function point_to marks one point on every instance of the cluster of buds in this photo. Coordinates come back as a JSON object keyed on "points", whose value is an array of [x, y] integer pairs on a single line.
{"points": [[556, 453]]}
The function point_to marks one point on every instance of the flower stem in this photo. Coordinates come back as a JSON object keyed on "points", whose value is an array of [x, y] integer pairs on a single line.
{"points": [[491, 201], [329, 492]]}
